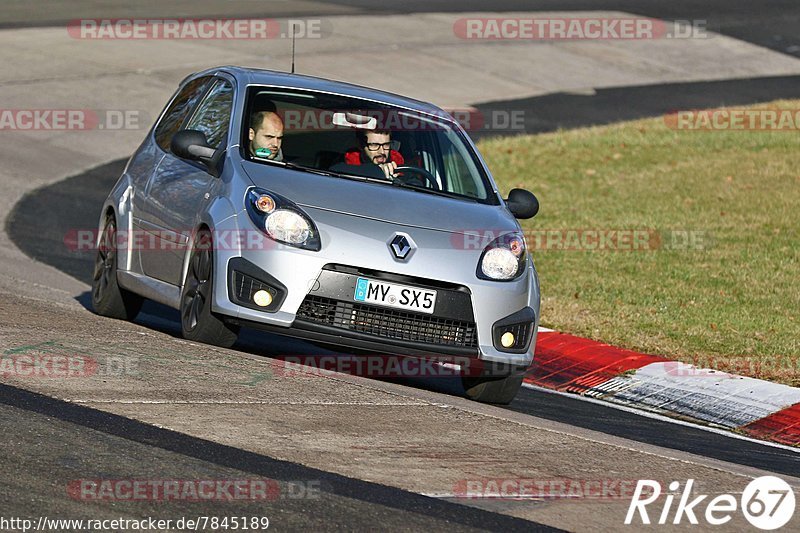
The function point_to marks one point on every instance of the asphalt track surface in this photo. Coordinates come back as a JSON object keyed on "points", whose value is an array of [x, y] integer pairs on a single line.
{"points": [[108, 444], [771, 24], [40, 234], [774, 25]]}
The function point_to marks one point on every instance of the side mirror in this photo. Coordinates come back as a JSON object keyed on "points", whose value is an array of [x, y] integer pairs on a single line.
{"points": [[193, 145], [522, 203]]}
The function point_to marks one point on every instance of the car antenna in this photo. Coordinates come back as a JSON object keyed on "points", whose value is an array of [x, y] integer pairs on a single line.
{"points": [[292, 47]]}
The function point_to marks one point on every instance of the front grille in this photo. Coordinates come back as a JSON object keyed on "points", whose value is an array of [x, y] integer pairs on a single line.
{"points": [[388, 323]]}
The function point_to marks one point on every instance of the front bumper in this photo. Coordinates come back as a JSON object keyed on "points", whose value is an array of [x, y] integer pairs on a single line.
{"points": [[329, 314], [318, 300]]}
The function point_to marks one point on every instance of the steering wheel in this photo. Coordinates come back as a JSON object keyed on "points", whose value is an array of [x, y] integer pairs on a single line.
{"points": [[422, 173]]}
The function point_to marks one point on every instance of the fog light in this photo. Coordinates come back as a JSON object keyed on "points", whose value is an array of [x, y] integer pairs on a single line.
{"points": [[507, 340], [262, 298]]}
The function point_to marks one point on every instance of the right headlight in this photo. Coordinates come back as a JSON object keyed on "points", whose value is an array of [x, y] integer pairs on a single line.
{"points": [[504, 258], [281, 219]]}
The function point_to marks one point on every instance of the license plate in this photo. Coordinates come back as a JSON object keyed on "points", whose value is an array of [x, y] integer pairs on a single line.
{"points": [[394, 295]]}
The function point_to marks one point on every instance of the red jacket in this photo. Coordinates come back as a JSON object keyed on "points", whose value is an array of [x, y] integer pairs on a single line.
{"points": [[353, 157]]}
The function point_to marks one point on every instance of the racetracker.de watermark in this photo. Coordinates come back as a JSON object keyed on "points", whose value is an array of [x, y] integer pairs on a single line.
{"points": [[469, 118], [733, 119], [467, 239], [47, 366], [545, 489], [390, 366], [786, 367], [192, 490], [85, 240], [577, 28], [148, 29], [592, 239], [65, 366], [72, 119]]}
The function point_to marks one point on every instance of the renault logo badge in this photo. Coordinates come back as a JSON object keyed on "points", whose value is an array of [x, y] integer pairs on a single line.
{"points": [[402, 246]]}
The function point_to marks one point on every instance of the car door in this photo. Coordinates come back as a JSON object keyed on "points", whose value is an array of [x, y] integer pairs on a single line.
{"points": [[179, 189], [173, 117]]}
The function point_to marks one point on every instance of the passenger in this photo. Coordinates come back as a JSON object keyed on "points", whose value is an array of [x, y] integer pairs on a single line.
{"points": [[375, 148], [266, 135]]}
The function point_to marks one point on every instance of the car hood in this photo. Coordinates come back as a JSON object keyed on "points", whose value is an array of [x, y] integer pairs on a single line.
{"points": [[377, 201]]}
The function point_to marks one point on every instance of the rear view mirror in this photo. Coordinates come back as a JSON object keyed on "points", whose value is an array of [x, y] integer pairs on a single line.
{"points": [[522, 203], [354, 120]]}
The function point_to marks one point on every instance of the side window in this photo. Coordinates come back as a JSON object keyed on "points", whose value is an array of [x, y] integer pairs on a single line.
{"points": [[178, 110], [214, 113], [463, 176]]}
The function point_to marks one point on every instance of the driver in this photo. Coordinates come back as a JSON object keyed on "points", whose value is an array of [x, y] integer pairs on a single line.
{"points": [[375, 148], [266, 135]]}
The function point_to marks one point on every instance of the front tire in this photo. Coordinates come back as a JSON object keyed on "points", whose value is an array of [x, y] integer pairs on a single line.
{"points": [[492, 389], [108, 298], [198, 323]]}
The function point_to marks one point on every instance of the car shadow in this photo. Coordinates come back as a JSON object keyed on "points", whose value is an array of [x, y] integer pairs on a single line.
{"points": [[317, 358]]}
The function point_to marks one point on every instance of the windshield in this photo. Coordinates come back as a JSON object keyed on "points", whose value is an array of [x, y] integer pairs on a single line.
{"points": [[354, 138]]}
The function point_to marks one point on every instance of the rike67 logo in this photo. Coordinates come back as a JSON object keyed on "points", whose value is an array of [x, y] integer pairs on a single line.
{"points": [[767, 502]]}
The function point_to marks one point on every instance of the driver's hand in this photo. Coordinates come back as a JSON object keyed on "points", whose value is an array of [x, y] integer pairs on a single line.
{"points": [[389, 169]]}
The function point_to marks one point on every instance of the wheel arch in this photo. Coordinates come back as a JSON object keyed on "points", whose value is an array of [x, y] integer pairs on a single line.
{"points": [[202, 225], [119, 204]]}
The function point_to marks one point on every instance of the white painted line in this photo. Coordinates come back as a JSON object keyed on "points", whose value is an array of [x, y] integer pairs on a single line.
{"points": [[526, 497], [545, 330], [662, 418], [501, 496], [246, 402]]}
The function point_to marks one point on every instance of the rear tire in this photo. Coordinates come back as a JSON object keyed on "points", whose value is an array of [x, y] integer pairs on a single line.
{"points": [[108, 298], [490, 389], [198, 323]]}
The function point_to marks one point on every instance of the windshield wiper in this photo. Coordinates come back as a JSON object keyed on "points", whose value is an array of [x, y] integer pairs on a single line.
{"points": [[404, 185], [295, 166], [331, 173]]}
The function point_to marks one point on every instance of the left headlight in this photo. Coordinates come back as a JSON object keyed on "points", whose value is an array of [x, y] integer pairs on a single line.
{"points": [[504, 259], [281, 219]]}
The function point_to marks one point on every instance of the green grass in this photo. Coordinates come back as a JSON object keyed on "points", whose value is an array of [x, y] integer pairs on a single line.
{"points": [[733, 304]]}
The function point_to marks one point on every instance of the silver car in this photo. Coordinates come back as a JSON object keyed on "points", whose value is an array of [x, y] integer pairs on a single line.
{"points": [[412, 253]]}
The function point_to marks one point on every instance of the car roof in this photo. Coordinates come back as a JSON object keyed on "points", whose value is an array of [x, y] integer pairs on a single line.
{"points": [[257, 76]]}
